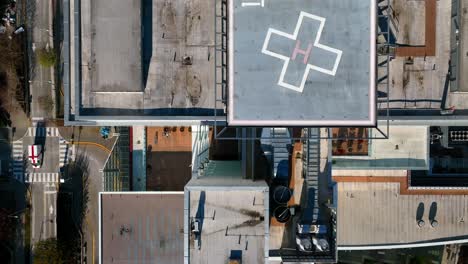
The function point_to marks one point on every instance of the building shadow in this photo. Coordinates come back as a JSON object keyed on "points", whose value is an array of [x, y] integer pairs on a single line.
{"points": [[420, 211], [432, 211], [146, 37], [200, 215], [40, 137]]}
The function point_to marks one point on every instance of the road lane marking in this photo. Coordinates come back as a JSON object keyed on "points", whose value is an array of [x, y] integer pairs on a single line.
{"points": [[55, 216], [17, 160], [66, 152], [43, 132], [33, 222], [44, 218], [42, 177], [93, 144]]}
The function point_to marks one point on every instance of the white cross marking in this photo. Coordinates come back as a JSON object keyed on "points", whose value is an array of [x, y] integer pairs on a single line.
{"points": [[309, 67], [261, 3]]}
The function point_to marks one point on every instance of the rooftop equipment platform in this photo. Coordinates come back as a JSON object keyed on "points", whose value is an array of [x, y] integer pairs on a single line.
{"points": [[301, 63]]}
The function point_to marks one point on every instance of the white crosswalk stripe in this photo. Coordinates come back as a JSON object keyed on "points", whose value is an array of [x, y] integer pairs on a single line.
{"points": [[17, 162], [66, 152], [43, 177], [43, 132], [36, 120]]}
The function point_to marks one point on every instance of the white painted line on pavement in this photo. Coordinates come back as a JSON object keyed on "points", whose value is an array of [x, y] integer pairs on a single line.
{"points": [[44, 224]]}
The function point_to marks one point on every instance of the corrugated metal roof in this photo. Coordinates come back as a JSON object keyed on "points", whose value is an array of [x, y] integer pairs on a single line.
{"points": [[376, 214]]}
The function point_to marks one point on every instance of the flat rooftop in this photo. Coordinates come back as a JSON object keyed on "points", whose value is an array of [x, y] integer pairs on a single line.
{"points": [[144, 58], [418, 81], [303, 62], [407, 147], [141, 228], [232, 222], [380, 215], [116, 68]]}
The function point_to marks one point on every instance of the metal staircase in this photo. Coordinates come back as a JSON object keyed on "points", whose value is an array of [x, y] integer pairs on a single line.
{"points": [[220, 53], [311, 168], [386, 42], [387, 22], [280, 141]]}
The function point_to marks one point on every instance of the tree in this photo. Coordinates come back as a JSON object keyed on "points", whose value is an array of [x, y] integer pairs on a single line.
{"points": [[46, 57], [47, 252], [7, 225], [420, 260], [10, 52]]}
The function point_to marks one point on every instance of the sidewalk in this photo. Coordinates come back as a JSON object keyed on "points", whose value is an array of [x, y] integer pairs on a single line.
{"points": [[86, 134]]}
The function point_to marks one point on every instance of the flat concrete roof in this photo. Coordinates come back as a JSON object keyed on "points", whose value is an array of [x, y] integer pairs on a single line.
{"points": [[132, 60], [116, 68], [302, 62], [233, 221], [375, 214], [141, 227]]}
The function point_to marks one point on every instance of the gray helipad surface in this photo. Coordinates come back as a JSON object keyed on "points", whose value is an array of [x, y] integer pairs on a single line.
{"points": [[301, 62]]}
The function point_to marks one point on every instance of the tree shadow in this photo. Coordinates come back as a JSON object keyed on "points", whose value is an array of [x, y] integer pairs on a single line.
{"points": [[5, 118], [13, 208], [73, 205]]}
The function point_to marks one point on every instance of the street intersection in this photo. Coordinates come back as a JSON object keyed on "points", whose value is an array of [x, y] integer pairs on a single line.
{"points": [[44, 181]]}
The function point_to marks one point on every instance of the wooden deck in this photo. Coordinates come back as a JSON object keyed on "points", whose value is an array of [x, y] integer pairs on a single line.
{"points": [[169, 139], [429, 48], [169, 155], [345, 147]]}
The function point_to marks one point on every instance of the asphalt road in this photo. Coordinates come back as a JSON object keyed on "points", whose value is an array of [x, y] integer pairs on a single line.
{"points": [[44, 204], [41, 82], [97, 158], [50, 161], [43, 182]]}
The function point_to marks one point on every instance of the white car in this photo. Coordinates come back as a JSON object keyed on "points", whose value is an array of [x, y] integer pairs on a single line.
{"points": [[35, 156]]}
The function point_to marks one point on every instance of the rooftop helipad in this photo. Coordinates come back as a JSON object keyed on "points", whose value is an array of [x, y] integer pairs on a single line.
{"points": [[301, 62]]}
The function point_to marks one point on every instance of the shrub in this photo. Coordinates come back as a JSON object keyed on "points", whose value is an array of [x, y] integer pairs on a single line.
{"points": [[46, 57]]}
